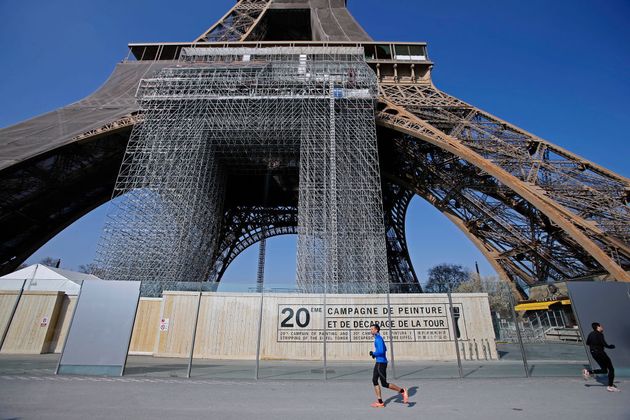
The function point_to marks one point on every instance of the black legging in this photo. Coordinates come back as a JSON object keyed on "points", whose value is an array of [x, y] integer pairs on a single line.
{"points": [[380, 372], [605, 363]]}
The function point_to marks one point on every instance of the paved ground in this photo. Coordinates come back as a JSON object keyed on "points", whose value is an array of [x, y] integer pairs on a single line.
{"points": [[157, 388], [67, 397]]}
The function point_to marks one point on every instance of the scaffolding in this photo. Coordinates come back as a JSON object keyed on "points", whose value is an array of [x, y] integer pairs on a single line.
{"points": [[219, 111]]}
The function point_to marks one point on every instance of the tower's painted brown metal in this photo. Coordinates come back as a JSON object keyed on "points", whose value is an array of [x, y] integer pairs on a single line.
{"points": [[536, 211]]}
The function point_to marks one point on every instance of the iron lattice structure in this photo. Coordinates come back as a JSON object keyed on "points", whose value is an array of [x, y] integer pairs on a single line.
{"points": [[534, 209], [222, 112], [238, 23], [537, 211]]}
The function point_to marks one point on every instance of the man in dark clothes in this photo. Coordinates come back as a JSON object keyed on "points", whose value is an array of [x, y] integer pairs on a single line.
{"points": [[596, 342]]}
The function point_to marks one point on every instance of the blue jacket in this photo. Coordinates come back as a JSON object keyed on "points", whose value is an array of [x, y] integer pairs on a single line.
{"points": [[379, 349]]}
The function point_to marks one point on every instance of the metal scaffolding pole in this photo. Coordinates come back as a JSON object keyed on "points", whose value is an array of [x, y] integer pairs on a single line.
{"points": [[223, 111]]}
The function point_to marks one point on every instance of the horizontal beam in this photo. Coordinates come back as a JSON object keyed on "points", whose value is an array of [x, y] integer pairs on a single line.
{"points": [[404, 52]]}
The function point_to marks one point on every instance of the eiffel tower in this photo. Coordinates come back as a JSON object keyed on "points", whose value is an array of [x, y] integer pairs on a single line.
{"points": [[537, 212]]}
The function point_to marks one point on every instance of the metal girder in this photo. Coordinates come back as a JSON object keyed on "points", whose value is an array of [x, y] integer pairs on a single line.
{"points": [[238, 23], [128, 121], [501, 151], [243, 226], [515, 237], [43, 196], [396, 201]]}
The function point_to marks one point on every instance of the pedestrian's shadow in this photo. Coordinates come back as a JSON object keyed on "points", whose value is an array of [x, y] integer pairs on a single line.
{"points": [[601, 379], [399, 399]]}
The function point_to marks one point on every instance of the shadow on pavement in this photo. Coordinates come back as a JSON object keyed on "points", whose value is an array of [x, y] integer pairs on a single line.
{"points": [[399, 399]]}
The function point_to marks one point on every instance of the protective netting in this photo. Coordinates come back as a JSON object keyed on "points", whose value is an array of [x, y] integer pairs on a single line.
{"points": [[224, 111]]}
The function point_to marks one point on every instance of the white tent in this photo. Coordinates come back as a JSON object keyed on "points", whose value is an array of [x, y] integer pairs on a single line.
{"points": [[42, 277]]}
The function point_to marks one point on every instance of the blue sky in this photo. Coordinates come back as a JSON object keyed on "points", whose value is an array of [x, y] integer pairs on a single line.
{"points": [[559, 69]]}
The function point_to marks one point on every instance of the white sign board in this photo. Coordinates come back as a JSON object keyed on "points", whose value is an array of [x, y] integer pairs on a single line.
{"points": [[351, 322], [164, 324]]}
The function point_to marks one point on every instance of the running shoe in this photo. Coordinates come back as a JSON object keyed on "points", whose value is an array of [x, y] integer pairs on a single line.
{"points": [[613, 389], [405, 396], [377, 405], [586, 374]]}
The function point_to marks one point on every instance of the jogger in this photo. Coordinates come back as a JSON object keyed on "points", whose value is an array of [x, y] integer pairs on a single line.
{"points": [[380, 369], [596, 343]]}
